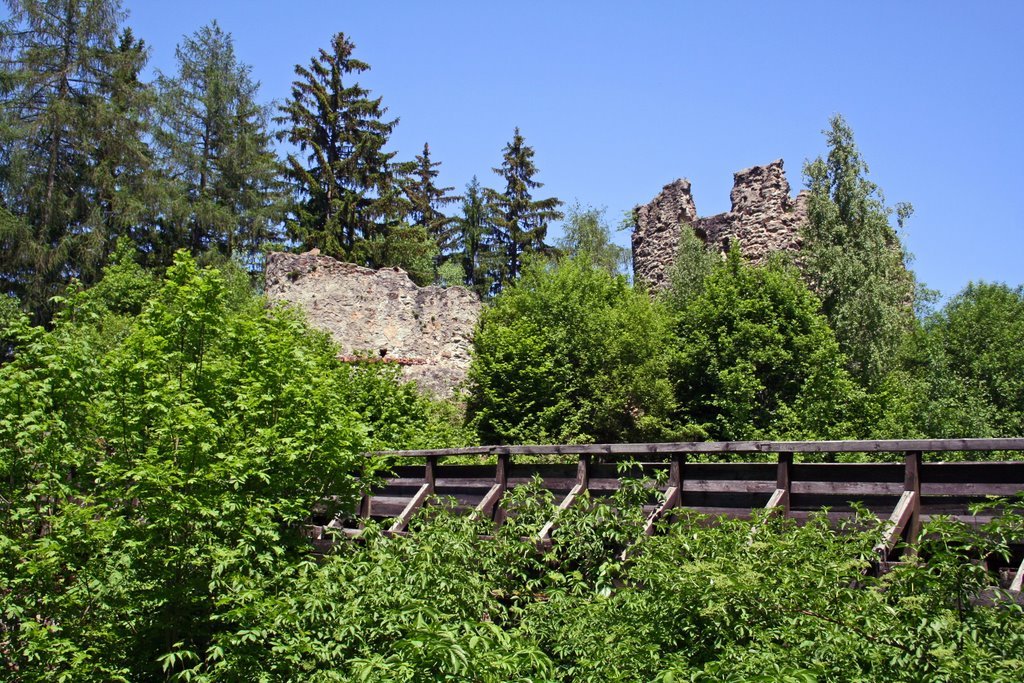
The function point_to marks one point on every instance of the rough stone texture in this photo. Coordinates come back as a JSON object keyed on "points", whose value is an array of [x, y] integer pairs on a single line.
{"points": [[764, 218], [426, 330]]}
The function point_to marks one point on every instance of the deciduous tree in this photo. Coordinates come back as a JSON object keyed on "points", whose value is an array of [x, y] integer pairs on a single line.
{"points": [[756, 360], [854, 259]]}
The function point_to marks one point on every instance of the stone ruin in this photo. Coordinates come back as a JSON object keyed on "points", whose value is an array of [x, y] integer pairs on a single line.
{"points": [[763, 219], [382, 316]]}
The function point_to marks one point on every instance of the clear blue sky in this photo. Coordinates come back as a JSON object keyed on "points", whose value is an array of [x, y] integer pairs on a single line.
{"points": [[619, 99]]}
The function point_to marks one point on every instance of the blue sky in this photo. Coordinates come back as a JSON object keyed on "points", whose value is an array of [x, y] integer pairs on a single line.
{"points": [[619, 99]]}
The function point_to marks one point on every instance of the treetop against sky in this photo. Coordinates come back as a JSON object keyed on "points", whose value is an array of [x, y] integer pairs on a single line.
{"points": [[618, 100]]}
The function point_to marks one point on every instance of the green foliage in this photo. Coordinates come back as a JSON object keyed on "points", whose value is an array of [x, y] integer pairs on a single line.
{"points": [[854, 259], [426, 201], [409, 247], [344, 186], [215, 148], [694, 263], [765, 599], [160, 451], [755, 359], [476, 236], [965, 365], [588, 237], [71, 137], [570, 354]]}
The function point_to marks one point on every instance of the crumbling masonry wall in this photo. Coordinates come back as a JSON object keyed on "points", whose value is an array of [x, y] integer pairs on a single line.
{"points": [[428, 331], [763, 219]]}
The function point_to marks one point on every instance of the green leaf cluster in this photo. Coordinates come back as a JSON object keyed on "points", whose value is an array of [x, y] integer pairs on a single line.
{"points": [[765, 599], [571, 353], [161, 451], [755, 359]]}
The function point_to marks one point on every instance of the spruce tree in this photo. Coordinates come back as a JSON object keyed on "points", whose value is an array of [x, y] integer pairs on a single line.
{"points": [[854, 259], [476, 239], [215, 151], [70, 142], [123, 174], [520, 221], [426, 201], [345, 192]]}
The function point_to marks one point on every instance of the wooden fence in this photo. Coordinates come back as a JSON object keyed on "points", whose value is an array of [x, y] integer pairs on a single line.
{"points": [[905, 487]]}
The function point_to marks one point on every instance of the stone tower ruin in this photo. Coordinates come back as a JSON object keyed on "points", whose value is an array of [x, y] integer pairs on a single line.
{"points": [[763, 219]]}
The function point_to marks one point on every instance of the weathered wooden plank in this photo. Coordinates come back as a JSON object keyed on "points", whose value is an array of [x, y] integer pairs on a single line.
{"points": [[430, 471], [545, 532], [858, 446], [850, 488], [898, 521], [671, 501], [912, 484], [501, 470], [582, 481], [972, 489], [365, 509], [1018, 579], [463, 482], [727, 486], [777, 500], [486, 506], [417, 501], [783, 482]]}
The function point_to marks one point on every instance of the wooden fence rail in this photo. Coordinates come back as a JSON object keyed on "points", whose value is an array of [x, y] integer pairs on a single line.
{"points": [[907, 492]]}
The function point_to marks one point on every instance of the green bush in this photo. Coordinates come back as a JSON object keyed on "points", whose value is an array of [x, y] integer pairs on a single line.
{"points": [[571, 353], [755, 359], [161, 449]]}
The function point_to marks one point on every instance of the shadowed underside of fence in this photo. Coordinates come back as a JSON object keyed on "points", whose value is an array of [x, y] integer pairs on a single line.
{"points": [[907, 492]]}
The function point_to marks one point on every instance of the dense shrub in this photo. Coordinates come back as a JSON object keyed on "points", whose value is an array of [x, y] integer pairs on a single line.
{"points": [[571, 353], [160, 450], [740, 600], [755, 359]]}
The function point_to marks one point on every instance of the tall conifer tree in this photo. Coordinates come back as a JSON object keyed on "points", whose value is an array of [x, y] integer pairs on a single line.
{"points": [[343, 180], [521, 222], [426, 200], [477, 239], [66, 150], [215, 151]]}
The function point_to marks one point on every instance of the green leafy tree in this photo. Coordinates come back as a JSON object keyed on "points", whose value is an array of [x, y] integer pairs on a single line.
{"points": [[570, 354], [409, 247], [588, 237], [164, 446], [215, 152], [756, 360], [854, 258], [70, 141], [520, 221], [688, 273], [343, 180], [966, 364]]}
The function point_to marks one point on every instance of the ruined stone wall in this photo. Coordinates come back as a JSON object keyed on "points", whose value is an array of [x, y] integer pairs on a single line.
{"points": [[426, 330], [763, 219]]}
